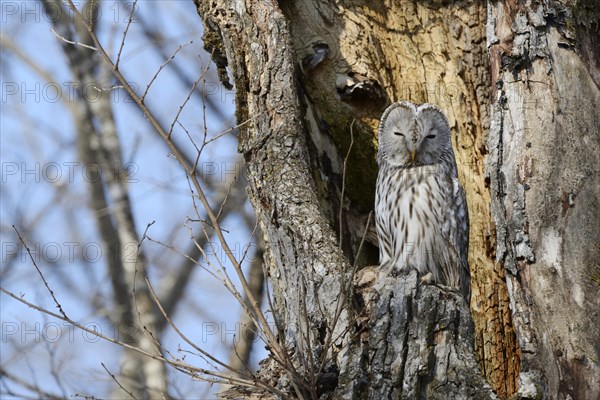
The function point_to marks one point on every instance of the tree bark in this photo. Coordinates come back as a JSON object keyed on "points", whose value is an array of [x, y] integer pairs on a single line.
{"points": [[313, 78], [545, 178]]}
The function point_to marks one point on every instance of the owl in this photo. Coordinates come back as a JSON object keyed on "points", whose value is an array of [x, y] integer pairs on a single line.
{"points": [[422, 220]]}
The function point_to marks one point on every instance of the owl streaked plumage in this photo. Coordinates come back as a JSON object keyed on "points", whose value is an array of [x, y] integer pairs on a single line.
{"points": [[421, 211]]}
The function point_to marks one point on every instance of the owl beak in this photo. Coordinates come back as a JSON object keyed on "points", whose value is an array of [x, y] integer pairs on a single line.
{"points": [[412, 155]]}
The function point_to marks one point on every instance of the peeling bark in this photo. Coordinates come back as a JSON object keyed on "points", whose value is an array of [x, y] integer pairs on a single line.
{"points": [[543, 166]]}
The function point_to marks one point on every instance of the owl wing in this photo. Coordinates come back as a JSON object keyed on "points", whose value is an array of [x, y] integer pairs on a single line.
{"points": [[458, 235], [383, 221]]}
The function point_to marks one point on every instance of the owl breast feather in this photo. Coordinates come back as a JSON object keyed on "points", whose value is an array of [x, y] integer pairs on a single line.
{"points": [[411, 227]]}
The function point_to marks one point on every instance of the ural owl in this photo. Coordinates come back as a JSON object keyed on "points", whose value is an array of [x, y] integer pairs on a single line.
{"points": [[421, 211]]}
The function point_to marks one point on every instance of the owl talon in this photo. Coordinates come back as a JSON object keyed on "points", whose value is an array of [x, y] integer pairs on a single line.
{"points": [[427, 279], [446, 288], [396, 273]]}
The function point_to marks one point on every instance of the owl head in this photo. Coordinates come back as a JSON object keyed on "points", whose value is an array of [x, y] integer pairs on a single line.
{"points": [[413, 135]]}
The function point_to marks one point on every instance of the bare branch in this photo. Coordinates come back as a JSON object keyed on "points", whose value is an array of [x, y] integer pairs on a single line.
{"points": [[229, 130], [114, 378], [125, 33], [341, 213], [72, 42], [161, 68], [205, 374], [60, 309], [241, 353], [188, 341], [34, 388], [182, 106], [155, 36]]}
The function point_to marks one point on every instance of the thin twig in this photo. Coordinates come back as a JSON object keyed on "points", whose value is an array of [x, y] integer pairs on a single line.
{"points": [[125, 34], [72, 42], [29, 386], [143, 324], [229, 188], [278, 351], [225, 132], [247, 247], [362, 241], [182, 106], [346, 290], [204, 124], [189, 135], [248, 376], [176, 329], [162, 66], [181, 366], [40, 272], [311, 362], [340, 217], [114, 378], [217, 274]]}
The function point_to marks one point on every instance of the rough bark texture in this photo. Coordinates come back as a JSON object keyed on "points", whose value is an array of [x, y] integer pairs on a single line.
{"points": [[315, 76], [423, 52], [302, 98], [306, 268], [415, 343], [544, 170]]}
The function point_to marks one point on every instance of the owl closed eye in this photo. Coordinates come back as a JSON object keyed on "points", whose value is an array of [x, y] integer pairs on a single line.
{"points": [[408, 137]]}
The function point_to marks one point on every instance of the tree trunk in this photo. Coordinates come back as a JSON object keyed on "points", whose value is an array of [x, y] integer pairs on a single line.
{"points": [[313, 78], [544, 169]]}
